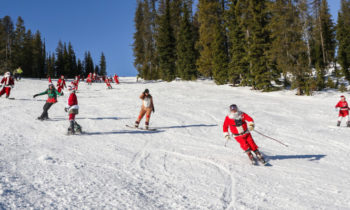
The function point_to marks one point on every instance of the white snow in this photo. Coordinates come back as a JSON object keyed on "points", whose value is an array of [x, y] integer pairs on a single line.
{"points": [[182, 165]]}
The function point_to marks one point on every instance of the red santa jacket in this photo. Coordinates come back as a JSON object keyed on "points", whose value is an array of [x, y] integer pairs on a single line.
{"points": [[72, 100], [237, 123], [49, 78], [7, 81], [61, 83], [343, 105]]}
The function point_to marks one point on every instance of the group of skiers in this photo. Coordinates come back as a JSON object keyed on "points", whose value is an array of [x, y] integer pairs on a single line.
{"points": [[237, 122]]}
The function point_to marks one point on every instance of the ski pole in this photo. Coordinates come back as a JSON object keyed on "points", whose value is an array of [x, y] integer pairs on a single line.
{"points": [[271, 138]]}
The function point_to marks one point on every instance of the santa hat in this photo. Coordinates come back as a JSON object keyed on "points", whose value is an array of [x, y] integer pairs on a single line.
{"points": [[342, 96]]}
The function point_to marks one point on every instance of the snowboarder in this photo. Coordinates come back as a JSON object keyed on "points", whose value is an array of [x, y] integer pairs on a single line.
{"points": [[109, 86], [52, 98], [7, 83], [73, 109], [61, 84], [116, 78], [343, 111], [146, 108], [240, 125]]}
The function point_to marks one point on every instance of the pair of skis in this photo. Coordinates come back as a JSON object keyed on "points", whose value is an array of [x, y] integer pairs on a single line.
{"points": [[144, 129]]}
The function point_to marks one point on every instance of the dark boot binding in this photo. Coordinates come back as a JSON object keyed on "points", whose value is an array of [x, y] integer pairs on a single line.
{"points": [[338, 123], [260, 157]]}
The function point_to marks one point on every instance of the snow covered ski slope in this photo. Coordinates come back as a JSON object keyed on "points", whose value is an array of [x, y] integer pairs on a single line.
{"points": [[181, 165]]}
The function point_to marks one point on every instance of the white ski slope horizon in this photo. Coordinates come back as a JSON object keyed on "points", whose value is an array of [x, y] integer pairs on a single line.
{"points": [[182, 165]]}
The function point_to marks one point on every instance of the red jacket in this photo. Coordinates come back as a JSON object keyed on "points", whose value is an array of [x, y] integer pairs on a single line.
{"points": [[49, 78], [237, 126], [61, 83], [7, 81], [343, 105], [72, 100]]}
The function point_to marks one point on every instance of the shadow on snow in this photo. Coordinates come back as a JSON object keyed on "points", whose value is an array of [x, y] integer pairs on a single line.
{"points": [[122, 132], [187, 126], [284, 157]]}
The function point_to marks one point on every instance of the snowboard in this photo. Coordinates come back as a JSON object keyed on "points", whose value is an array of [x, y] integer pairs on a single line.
{"points": [[144, 129]]}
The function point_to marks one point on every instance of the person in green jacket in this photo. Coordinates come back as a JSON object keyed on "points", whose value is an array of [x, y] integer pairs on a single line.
{"points": [[52, 98]]}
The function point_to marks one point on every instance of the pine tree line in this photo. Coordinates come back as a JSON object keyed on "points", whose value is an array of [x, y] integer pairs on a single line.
{"points": [[259, 43], [21, 48]]}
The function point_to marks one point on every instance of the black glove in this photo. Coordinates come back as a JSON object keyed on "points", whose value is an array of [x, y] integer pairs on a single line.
{"points": [[35, 95], [62, 94], [153, 110], [66, 109]]}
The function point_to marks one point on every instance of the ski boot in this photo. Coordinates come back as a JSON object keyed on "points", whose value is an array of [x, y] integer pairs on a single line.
{"points": [[137, 124], [40, 118], [338, 123], [77, 128], [71, 128], [260, 157], [146, 125], [251, 157], [348, 125]]}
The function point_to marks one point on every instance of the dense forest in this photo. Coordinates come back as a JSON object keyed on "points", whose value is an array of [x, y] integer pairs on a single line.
{"points": [[20, 47], [265, 44]]}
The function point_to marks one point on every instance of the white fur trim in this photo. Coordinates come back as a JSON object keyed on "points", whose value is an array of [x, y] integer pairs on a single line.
{"points": [[226, 134], [73, 107]]}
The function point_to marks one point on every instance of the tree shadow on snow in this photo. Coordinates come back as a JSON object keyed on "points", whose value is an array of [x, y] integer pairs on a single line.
{"points": [[187, 126], [91, 118], [284, 157], [122, 132]]}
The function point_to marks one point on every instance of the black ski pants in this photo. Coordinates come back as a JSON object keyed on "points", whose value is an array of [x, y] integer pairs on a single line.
{"points": [[46, 108]]}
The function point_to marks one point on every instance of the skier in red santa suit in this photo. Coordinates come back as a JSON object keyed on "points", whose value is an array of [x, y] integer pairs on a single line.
{"points": [[116, 78], [240, 125], [73, 109], [89, 79], [75, 83], [49, 79], [343, 111], [61, 84], [109, 86], [7, 83]]}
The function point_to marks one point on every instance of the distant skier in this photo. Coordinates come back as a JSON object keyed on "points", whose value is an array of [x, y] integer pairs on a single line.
{"points": [[49, 79], [89, 79], [116, 80], [61, 84], [240, 124], [73, 109], [109, 86], [7, 84], [75, 83], [343, 111], [146, 108], [52, 98]]}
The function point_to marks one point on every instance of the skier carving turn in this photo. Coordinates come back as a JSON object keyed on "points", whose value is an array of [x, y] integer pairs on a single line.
{"points": [[240, 125]]}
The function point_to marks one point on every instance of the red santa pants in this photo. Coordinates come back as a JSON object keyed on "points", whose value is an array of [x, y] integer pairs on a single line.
{"points": [[59, 89], [246, 141], [343, 113], [6, 90], [71, 117]]}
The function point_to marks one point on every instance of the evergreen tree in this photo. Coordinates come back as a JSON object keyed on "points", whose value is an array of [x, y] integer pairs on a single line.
{"points": [[8, 27], [59, 65], [138, 45], [166, 47], [259, 44], [343, 31], [80, 70], [38, 64], [50, 65], [97, 70], [88, 63], [18, 44], [103, 67], [186, 54], [238, 68]]}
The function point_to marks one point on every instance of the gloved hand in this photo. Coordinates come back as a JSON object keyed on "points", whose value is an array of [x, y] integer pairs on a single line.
{"points": [[153, 110], [66, 109], [227, 137], [35, 95], [62, 94], [251, 126]]}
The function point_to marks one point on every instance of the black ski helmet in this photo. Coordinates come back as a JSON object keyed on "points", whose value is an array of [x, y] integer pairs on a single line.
{"points": [[146, 91], [233, 107]]}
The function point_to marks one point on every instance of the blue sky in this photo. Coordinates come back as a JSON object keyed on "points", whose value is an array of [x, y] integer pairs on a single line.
{"points": [[98, 26]]}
